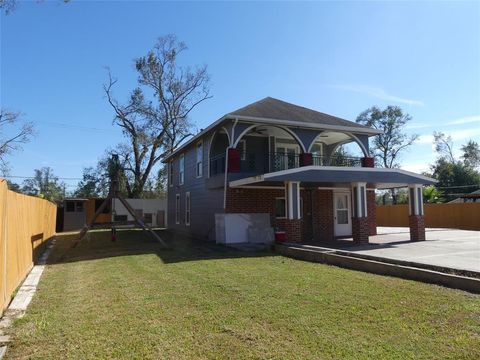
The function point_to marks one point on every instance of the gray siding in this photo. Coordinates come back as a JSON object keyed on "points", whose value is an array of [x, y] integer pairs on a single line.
{"points": [[204, 203]]}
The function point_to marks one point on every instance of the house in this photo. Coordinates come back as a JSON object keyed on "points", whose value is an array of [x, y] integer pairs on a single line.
{"points": [[467, 198], [78, 211], [273, 164]]}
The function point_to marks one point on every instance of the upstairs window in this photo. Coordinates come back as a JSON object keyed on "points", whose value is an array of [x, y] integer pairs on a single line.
{"points": [[170, 173], [199, 164], [182, 170]]}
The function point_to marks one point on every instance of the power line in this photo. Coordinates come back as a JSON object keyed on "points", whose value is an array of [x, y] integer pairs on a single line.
{"points": [[32, 177]]}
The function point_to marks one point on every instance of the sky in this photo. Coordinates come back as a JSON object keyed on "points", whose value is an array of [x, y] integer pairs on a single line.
{"points": [[339, 58]]}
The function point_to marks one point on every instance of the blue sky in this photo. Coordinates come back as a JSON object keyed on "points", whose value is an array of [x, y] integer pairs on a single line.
{"points": [[335, 57]]}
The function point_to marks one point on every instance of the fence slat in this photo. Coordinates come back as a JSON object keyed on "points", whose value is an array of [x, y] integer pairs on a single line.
{"points": [[464, 216], [26, 223]]}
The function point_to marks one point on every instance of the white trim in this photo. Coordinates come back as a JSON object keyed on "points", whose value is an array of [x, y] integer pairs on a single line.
{"points": [[187, 209], [287, 130], [360, 130], [264, 177]]}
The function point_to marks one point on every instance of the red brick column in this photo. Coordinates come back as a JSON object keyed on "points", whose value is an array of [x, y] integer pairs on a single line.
{"points": [[233, 160], [372, 212], [368, 162], [360, 230], [322, 215], [417, 227], [293, 230], [306, 159]]}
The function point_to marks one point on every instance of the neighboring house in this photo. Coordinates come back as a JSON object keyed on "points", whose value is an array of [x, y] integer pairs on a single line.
{"points": [[78, 212], [272, 164], [467, 198]]}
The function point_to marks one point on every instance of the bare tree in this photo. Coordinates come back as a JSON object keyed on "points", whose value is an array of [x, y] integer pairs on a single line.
{"points": [[13, 133], [444, 146], [154, 127]]}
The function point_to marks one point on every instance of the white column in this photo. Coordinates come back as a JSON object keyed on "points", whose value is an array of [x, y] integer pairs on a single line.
{"points": [[359, 196], [292, 197], [415, 199]]}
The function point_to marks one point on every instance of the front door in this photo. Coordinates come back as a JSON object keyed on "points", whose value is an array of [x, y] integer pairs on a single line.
{"points": [[342, 214]]}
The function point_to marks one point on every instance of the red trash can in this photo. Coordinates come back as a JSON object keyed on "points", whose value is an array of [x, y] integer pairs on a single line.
{"points": [[280, 236]]}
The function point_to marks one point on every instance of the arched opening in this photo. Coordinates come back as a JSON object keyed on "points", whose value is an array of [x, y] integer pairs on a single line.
{"points": [[219, 143], [267, 148], [332, 148]]}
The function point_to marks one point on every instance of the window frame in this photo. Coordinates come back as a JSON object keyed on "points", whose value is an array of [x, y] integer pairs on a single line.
{"points": [[188, 210], [177, 209], [181, 171], [199, 170]]}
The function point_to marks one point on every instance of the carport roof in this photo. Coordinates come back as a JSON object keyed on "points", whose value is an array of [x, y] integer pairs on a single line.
{"points": [[334, 176]]}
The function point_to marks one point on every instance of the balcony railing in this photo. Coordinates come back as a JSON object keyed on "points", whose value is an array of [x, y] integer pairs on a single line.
{"points": [[264, 163]]}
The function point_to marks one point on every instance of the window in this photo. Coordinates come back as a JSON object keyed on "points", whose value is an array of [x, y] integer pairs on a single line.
{"points": [[120, 218], [187, 208], [242, 149], [74, 206], [147, 218], [182, 169], [280, 208], [177, 209], [317, 154], [199, 165], [70, 206], [170, 173], [79, 206]]}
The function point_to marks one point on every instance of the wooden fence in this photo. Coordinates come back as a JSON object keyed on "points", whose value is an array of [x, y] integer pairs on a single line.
{"points": [[26, 223], [456, 216]]}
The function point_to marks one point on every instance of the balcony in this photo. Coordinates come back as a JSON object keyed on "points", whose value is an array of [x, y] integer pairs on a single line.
{"points": [[252, 163]]}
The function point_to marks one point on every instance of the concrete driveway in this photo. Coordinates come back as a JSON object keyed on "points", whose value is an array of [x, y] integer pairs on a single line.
{"points": [[458, 249]]}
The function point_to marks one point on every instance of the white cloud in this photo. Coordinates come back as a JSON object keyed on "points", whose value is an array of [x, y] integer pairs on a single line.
{"points": [[378, 93], [465, 120], [424, 139]]}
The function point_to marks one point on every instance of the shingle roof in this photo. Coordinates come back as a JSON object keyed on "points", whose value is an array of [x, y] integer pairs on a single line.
{"points": [[270, 108]]}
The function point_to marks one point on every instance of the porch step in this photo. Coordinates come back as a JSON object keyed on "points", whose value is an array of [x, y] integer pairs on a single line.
{"points": [[380, 266]]}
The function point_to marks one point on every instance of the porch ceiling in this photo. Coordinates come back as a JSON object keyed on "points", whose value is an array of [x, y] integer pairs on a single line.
{"points": [[333, 176]]}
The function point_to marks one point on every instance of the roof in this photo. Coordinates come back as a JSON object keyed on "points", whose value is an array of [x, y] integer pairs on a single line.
{"points": [[274, 109], [270, 110], [380, 178]]}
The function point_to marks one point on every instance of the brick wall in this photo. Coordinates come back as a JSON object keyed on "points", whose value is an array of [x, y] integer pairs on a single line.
{"points": [[417, 227], [360, 230], [323, 215], [317, 223], [372, 212]]}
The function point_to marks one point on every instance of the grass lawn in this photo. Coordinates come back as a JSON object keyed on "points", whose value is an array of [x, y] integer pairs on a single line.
{"points": [[132, 300]]}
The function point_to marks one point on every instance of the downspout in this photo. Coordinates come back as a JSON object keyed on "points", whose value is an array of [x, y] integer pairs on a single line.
{"points": [[226, 165]]}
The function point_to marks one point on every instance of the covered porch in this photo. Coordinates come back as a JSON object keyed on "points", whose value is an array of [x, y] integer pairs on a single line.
{"points": [[326, 203]]}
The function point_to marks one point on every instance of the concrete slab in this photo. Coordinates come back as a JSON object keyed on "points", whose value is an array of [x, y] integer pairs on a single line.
{"points": [[452, 248]]}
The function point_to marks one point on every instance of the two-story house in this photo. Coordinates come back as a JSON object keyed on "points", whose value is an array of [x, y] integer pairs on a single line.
{"points": [[272, 157]]}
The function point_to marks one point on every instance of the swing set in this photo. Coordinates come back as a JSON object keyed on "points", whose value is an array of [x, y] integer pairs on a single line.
{"points": [[114, 193]]}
